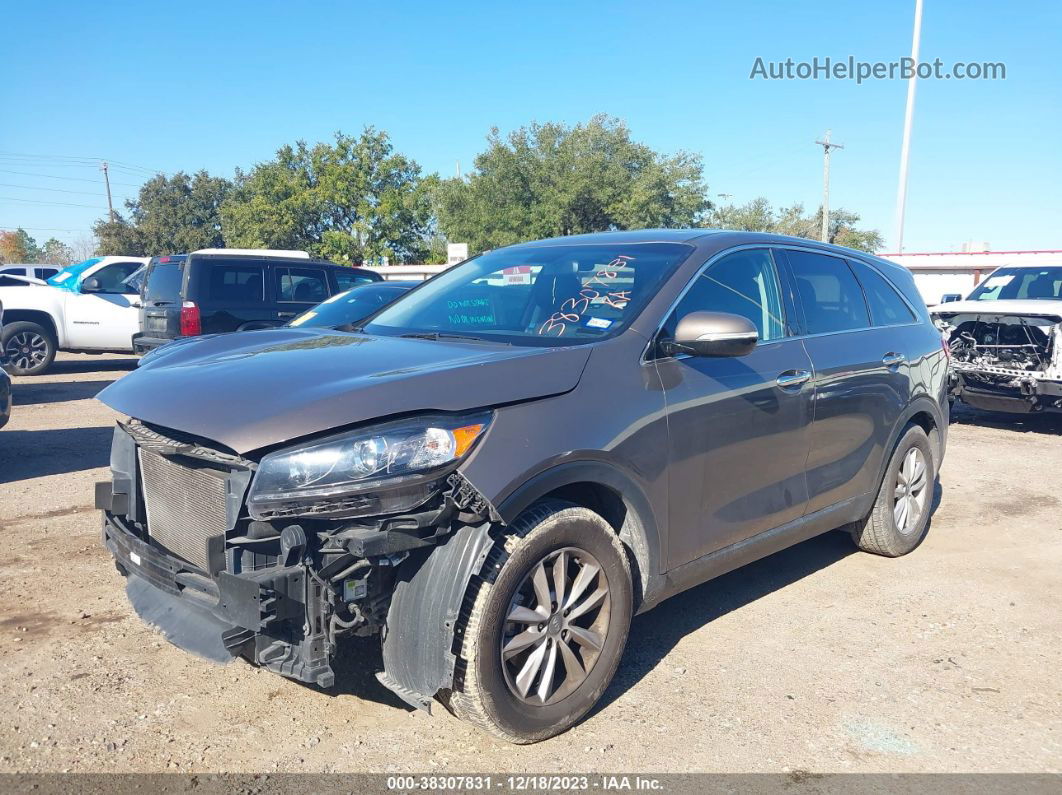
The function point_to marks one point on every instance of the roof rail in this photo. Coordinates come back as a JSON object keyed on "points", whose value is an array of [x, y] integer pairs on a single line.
{"points": [[256, 252]]}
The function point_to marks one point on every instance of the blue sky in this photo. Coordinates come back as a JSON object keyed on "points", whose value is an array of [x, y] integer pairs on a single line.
{"points": [[169, 87]]}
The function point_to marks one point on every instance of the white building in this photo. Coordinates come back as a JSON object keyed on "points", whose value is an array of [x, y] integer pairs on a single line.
{"points": [[937, 273]]}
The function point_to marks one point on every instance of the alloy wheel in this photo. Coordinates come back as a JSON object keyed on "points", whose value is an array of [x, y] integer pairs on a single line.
{"points": [[555, 626], [26, 350], [911, 490]]}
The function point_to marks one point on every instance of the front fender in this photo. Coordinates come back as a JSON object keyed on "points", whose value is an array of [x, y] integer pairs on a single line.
{"points": [[418, 638]]}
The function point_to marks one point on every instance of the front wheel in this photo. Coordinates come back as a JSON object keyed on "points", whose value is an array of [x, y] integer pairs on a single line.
{"points": [[545, 628], [29, 348]]}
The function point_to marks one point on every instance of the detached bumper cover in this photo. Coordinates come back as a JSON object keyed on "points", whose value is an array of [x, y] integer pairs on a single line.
{"points": [[274, 618]]}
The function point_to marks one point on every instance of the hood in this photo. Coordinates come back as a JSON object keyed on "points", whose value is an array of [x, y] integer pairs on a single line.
{"points": [[259, 388], [1003, 308]]}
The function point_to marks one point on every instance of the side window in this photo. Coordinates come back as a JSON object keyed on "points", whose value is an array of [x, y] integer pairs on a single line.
{"points": [[743, 283], [829, 293], [886, 306], [348, 278], [235, 284], [301, 285], [45, 273], [110, 277]]}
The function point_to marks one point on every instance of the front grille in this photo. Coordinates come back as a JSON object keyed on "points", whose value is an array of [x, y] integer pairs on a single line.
{"points": [[185, 505]]}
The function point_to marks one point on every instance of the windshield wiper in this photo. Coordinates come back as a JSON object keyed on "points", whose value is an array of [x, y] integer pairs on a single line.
{"points": [[442, 335]]}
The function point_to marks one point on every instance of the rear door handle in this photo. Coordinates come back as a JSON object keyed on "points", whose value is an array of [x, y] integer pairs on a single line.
{"points": [[793, 379], [892, 359], [285, 314]]}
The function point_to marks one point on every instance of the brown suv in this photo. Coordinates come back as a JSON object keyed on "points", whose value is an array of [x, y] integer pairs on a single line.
{"points": [[501, 467]]}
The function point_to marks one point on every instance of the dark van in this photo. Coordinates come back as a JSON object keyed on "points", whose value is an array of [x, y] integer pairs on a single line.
{"points": [[217, 290]]}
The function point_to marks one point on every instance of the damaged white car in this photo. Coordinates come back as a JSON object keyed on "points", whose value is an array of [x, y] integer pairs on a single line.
{"points": [[1006, 341]]}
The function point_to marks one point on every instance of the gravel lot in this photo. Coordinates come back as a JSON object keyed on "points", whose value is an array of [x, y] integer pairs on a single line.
{"points": [[817, 658]]}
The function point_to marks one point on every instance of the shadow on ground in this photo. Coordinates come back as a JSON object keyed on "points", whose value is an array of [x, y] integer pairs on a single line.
{"points": [[1049, 423], [356, 662], [90, 364], [26, 392], [34, 454], [654, 634]]}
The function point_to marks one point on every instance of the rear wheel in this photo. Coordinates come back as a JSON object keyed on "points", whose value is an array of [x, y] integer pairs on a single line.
{"points": [[900, 517], [29, 348], [543, 632]]}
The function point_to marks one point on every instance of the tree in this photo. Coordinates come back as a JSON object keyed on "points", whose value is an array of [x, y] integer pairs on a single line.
{"points": [[352, 201], [18, 246], [170, 215], [759, 216], [55, 252], [551, 179]]}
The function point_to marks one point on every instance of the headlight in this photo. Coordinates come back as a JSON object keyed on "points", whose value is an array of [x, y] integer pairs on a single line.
{"points": [[334, 476]]}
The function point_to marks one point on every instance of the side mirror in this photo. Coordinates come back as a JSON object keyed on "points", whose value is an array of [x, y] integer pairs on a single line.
{"points": [[714, 334], [90, 285], [949, 298]]}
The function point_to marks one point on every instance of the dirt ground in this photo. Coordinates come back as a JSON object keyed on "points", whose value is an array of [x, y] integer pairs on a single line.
{"points": [[817, 658]]}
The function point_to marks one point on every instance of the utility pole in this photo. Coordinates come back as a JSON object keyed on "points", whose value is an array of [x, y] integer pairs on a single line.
{"points": [[725, 196], [107, 181], [908, 118], [458, 169], [826, 147]]}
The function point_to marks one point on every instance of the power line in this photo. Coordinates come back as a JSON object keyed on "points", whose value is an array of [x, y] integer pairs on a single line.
{"points": [[41, 229], [51, 190], [67, 179], [77, 160], [58, 204]]}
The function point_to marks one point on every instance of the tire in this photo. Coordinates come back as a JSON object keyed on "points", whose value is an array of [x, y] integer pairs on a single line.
{"points": [[486, 689], [881, 532], [29, 348]]}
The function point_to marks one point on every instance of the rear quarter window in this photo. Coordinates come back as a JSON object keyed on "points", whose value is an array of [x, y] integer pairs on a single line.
{"points": [[887, 308]]}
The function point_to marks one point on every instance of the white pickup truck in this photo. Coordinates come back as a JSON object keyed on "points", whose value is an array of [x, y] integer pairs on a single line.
{"points": [[85, 308]]}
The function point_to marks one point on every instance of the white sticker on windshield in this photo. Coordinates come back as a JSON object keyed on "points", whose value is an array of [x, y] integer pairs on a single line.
{"points": [[303, 318], [598, 322], [992, 282], [62, 277]]}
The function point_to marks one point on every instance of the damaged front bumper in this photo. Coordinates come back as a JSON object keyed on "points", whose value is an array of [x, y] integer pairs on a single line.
{"points": [[1005, 389], [280, 592], [276, 619]]}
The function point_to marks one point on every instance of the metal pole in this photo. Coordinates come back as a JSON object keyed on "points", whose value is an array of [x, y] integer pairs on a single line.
{"points": [[107, 181], [908, 117]]}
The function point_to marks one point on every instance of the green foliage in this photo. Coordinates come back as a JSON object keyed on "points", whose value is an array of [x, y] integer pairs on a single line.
{"points": [[55, 252], [352, 201], [759, 216], [170, 215], [18, 246], [550, 179]]}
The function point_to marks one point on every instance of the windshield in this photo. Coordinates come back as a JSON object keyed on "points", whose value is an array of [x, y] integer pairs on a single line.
{"points": [[343, 310], [1029, 283], [67, 278], [537, 295], [163, 284]]}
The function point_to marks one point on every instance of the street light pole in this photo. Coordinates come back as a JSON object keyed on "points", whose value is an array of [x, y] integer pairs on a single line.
{"points": [[908, 118]]}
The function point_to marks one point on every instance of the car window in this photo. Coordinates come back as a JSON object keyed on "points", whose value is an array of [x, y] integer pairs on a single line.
{"points": [[343, 310], [548, 295], [111, 277], [1030, 283], [348, 278], [45, 273], [301, 285], [829, 293], [887, 308], [163, 284], [235, 283], [744, 283]]}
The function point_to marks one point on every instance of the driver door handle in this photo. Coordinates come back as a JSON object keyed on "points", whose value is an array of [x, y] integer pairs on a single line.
{"points": [[892, 359], [793, 379]]}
